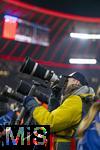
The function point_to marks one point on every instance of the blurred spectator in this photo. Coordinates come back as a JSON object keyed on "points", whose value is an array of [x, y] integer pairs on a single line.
{"points": [[89, 129], [98, 92]]}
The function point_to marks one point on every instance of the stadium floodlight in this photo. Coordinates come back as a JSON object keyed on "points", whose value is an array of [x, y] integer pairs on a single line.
{"points": [[85, 36], [82, 61]]}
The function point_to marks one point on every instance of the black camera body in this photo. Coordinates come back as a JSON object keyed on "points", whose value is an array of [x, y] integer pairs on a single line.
{"points": [[26, 89]]}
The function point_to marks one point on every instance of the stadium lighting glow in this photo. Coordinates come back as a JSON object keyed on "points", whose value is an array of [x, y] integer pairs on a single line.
{"points": [[82, 61], [85, 36]]}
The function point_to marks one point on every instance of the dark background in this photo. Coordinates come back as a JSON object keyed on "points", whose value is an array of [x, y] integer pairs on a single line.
{"points": [[62, 47], [89, 8]]}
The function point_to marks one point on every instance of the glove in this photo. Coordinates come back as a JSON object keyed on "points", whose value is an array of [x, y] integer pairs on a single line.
{"points": [[56, 89], [6, 119], [54, 100], [30, 103]]}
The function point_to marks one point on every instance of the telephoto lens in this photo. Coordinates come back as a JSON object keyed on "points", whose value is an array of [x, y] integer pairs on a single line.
{"points": [[26, 89], [34, 69], [10, 93], [23, 87]]}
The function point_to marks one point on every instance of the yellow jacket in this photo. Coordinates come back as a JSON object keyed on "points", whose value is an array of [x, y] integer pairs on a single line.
{"points": [[62, 119]]}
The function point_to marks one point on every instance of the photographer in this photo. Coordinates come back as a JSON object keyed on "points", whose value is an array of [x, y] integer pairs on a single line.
{"points": [[65, 118]]}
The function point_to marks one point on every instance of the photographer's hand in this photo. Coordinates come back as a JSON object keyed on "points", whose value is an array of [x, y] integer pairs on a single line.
{"points": [[54, 100], [30, 103]]}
